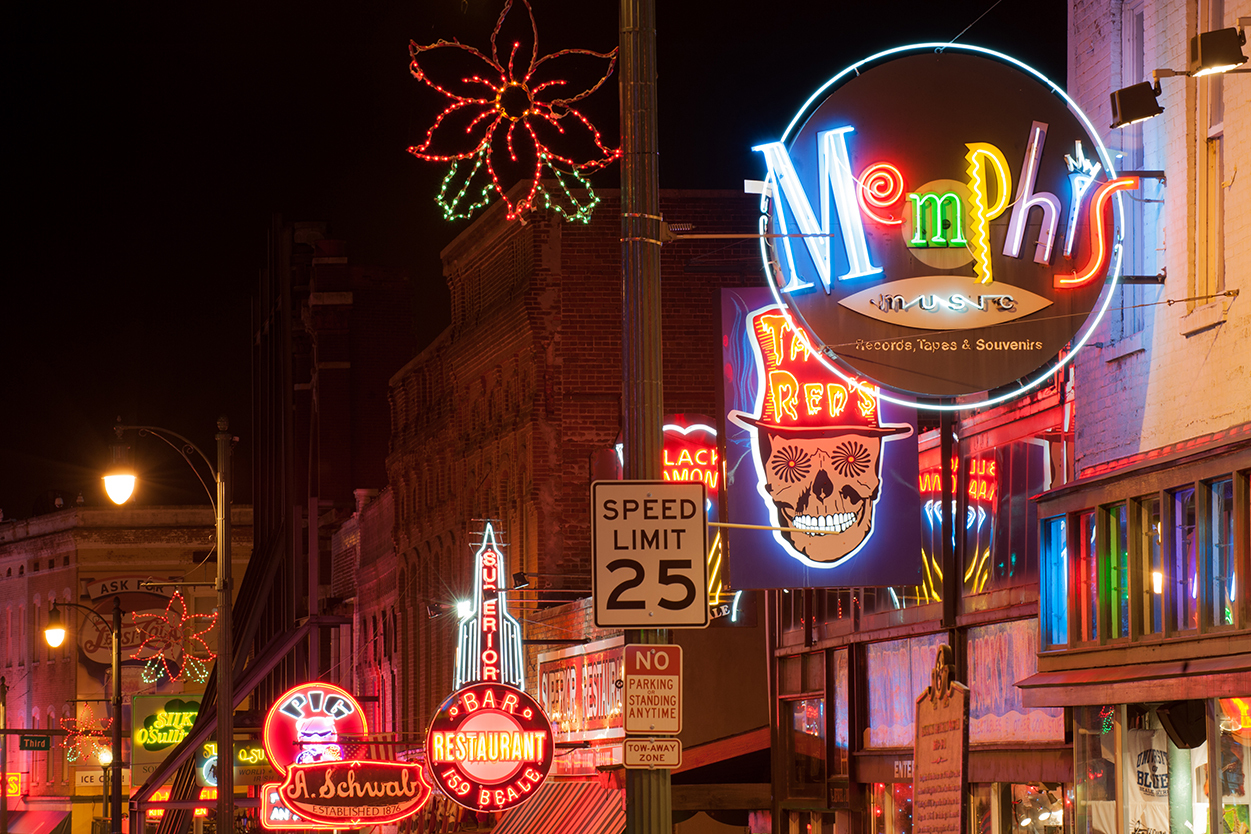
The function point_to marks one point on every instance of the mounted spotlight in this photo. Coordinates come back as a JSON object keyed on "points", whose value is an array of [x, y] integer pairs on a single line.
{"points": [[1212, 52], [1131, 105], [1218, 51]]}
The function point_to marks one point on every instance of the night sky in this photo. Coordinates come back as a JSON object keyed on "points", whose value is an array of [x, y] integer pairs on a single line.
{"points": [[151, 143]]}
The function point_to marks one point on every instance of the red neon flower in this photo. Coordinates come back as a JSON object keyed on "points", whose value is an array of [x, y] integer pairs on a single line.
{"points": [[85, 737], [503, 120], [172, 634]]}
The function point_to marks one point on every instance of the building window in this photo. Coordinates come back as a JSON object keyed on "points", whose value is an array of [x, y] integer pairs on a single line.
{"points": [[1118, 570], [802, 708], [1055, 583], [1184, 584], [1153, 566], [1221, 559], [1087, 580]]}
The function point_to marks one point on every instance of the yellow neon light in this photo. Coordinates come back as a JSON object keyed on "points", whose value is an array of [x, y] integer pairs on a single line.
{"points": [[981, 212]]}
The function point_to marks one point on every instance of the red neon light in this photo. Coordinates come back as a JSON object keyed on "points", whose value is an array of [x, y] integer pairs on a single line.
{"points": [[489, 621], [159, 795], [348, 794], [881, 186], [497, 114], [175, 633], [689, 455], [489, 746], [1098, 238], [276, 815], [304, 725], [205, 794]]}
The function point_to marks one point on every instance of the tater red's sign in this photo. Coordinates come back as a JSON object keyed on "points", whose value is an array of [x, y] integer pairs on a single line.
{"points": [[489, 746]]}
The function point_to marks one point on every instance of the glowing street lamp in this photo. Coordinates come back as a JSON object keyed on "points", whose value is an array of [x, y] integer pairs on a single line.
{"points": [[123, 476], [54, 634]]}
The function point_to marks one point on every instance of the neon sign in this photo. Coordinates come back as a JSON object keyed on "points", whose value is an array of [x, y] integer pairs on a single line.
{"points": [[489, 746], [990, 229], [304, 725], [167, 726], [689, 454], [815, 460], [489, 648], [355, 792]]}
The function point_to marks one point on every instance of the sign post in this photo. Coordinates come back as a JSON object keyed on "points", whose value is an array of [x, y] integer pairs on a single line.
{"points": [[648, 550]]}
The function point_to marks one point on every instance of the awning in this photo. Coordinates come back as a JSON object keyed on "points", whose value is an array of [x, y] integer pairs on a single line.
{"points": [[567, 808], [39, 822], [1208, 677]]}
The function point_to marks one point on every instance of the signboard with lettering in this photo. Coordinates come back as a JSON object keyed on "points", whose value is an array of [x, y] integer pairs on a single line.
{"points": [[159, 723], [489, 648], [905, 238], [824, 469], [251, 765], [352, 793], [651, 753], [489, 746], [648, 541], [304, 725], [653, 689], [580, 690], [941, 753], [13, 784], [95, 637], [26, 741]]}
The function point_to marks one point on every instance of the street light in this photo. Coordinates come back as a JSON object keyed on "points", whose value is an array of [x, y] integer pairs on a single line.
{"points": [[54, 634], [106, 758], [123, 477]]}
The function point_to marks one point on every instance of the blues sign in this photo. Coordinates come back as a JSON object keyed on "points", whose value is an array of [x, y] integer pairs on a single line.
{"points": [[942, 220]]}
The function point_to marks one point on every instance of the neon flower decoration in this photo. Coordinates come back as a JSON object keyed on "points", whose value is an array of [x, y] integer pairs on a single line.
{"points": [[174, 634], [502, 122], [85, 737]]}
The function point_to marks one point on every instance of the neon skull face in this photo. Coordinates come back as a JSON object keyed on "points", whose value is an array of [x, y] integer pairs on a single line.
{"points": [[318, 738], [826, 485]]}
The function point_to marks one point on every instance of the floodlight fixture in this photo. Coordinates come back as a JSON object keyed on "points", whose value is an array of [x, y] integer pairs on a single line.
{"points": [[1217, 51], [1135, 103]]}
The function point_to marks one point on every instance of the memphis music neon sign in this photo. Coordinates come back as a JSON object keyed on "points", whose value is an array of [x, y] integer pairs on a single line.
{"points": [[903, 239]]}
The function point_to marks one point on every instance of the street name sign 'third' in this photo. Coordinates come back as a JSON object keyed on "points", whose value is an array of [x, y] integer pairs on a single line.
{"points": [[648, 545]]}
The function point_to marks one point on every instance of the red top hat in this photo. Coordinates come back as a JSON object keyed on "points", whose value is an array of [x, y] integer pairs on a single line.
{"points": [[801, 396]]}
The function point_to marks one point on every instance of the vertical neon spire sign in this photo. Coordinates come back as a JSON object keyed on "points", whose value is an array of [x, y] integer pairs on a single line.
{"points": [[489, 648]]}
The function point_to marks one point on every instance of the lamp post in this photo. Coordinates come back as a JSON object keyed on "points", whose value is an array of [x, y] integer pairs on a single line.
{"points": [[119, 483], [106, 759], [54, 634]]}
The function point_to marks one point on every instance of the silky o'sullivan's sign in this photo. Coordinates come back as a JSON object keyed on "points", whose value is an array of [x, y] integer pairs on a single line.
{"points": [[489, 746], [943, 220]]}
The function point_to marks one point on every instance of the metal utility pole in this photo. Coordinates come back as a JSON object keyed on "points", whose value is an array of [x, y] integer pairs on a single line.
{"points": [[115, 798], [225, 653], [649, 804], [4, 757]]}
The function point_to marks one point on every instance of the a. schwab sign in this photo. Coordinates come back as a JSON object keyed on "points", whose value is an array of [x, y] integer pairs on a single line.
{"points": [[943, 221]]}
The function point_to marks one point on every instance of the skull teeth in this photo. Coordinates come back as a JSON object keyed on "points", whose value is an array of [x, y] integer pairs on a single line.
{"points": [[836, 523]]}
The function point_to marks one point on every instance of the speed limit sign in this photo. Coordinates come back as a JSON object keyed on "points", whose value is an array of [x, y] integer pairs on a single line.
{"points": [[648, 548]]}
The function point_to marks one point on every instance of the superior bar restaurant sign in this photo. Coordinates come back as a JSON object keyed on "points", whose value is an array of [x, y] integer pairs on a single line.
{"points": [[949, 243], [489, 746], [941, 753]]}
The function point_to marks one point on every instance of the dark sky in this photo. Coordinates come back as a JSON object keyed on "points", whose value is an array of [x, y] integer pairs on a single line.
{"points": [[150, 143]]}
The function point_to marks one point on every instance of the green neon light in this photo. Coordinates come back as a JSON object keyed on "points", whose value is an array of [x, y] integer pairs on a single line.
{"points": [[935, 204]]}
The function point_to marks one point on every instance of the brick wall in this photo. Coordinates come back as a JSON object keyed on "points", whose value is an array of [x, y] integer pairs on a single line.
{"points": [[500, 417], [1185, 373]]}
